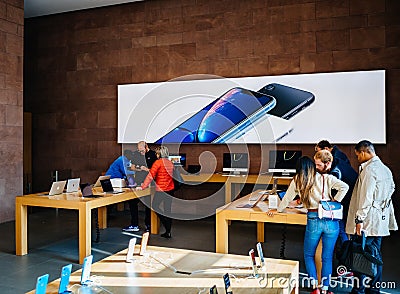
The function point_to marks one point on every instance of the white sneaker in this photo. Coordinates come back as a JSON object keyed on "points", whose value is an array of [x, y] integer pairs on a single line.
{"points": [[131, 229]]}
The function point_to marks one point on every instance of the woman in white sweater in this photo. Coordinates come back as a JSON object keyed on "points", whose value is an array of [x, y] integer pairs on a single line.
{"points": [[312, 187]]}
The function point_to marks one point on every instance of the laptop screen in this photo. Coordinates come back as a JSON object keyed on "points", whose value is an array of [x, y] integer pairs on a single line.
{"points": [[106, 185]]}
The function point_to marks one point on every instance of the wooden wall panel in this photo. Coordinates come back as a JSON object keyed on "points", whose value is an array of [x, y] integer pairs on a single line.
{"points": [[74, 62], [11, 108]]}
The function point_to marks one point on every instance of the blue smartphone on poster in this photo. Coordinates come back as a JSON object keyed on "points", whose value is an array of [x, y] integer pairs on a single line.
{"points": [[64, 280], [227, 117], [41, 284]]}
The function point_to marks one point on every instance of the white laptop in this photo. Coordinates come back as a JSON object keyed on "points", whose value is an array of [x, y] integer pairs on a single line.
{"points": [[73, 185], [98, 184], [253, 200], [56, 188], [118, 183]]}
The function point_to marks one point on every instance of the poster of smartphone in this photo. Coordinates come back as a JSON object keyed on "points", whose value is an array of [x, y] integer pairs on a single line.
{"points": [[289, 101], [41, 284], [272, 129], [302, 99], [227, 117], [64, 280], [227, 284]]}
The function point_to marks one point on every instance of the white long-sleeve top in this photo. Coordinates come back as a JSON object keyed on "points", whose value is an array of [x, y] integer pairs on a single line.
{"points": [[325, 183]]}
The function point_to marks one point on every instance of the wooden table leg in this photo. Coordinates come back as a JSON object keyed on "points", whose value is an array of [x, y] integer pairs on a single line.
{"points": [[221, 233], [155, 223], [85, 233], [228, 191], [260, 232], [21, 229], [102, 213]]}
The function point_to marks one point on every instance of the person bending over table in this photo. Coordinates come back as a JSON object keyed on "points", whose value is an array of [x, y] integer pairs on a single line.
{"points": [[119, 169], [161, 172], [312, 187]]}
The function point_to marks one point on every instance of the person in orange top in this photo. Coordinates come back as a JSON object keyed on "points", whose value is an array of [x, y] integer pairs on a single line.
{"points": [[161, 172]]}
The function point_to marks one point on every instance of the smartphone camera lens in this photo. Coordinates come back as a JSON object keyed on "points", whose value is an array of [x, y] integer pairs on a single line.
{"points": [[270, 87]]}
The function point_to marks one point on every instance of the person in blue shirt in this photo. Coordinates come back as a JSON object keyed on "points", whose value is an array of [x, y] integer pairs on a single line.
{"points": [[120, 168]]}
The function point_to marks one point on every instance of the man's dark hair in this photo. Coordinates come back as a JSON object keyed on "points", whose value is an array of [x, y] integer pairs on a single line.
{"points": [[365, 146], [324, 144]]}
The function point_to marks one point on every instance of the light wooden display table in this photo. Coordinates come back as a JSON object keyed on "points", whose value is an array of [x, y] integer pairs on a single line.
{"points": [[154, 273], [230, 212], [233, 182], [69, 201]]}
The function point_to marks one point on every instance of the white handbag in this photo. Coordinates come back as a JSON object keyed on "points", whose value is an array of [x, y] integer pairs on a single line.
{"points": [[327, 208]]}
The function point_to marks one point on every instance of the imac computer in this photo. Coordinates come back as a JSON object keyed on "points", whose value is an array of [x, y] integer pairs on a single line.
{"points": [[283, 162], [235, 163], [178, 159]]}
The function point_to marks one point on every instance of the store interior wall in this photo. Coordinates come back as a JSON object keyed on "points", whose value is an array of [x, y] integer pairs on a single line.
{"points": [[11, 105], [74, 61]]}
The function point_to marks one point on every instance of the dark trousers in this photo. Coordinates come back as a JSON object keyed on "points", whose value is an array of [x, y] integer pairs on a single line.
{"points": [[163, 212], [365, 285], [133, 207]]}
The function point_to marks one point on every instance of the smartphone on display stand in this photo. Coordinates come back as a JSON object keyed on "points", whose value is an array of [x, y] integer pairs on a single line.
{"points": [[143, 244], [253, 262], [131, 250], [289, 101], [41, 284], [64, 280], [227, 117], [213, 290], [86, 269], [260, 255], [227, 284]]}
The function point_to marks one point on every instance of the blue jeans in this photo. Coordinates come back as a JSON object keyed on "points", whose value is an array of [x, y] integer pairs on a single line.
{"points": [[316, 229], [369, 286]]}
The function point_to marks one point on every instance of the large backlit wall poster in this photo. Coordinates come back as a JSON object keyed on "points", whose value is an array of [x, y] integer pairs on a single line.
{"points": [[343, 107]]}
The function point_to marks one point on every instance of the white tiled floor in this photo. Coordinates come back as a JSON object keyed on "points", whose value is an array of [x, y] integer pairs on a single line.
{"points": [[53, 243]]}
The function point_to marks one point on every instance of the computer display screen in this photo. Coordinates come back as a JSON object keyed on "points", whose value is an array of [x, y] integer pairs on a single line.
{"points": [[235, 163], [178, 159], [283, 161]]}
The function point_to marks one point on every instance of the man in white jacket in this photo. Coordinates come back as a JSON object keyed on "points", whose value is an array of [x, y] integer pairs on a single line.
{"points": [[371, 207]]}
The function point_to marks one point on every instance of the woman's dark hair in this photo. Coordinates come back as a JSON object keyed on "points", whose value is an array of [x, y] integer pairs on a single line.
{"points": [[305, 178]]}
